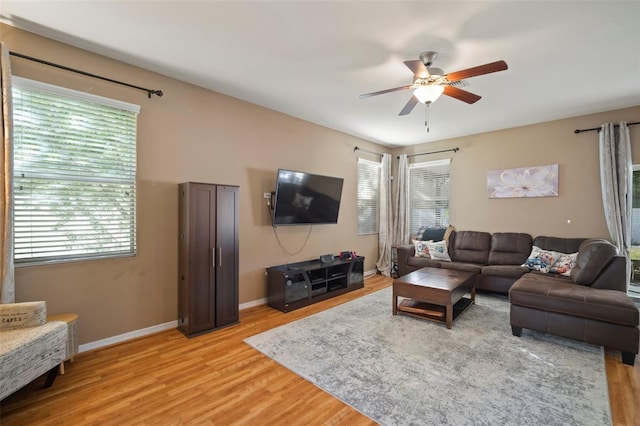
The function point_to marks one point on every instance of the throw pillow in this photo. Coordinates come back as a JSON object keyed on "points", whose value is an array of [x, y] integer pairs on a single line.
{"points": [[433, 234], [541, 260], [448, 233], [438, 250], [564, 264], [422, 250]]}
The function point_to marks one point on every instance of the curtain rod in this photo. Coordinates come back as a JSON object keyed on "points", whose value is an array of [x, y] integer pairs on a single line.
{"points": [[433, 152], [366, 150], [598, 128], [51, 64]]}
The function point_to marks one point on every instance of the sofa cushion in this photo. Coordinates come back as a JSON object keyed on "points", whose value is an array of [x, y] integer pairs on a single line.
{"points": [[507, 271], [421, 262], [509, 248], [593, 256], [470, 247], [461, 266], [562, 296], [27, 353], [562, 245]]}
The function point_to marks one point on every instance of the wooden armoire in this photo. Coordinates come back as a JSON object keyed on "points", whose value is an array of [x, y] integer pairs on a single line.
{"points": [[208, 257]]}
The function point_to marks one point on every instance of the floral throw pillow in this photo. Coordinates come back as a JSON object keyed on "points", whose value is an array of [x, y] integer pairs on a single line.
{"points": [[438, 250], [564, 264], [422, 250], [541, 260]]}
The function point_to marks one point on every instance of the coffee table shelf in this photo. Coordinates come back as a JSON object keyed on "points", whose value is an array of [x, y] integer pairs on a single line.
{"points": [[432, 312]]}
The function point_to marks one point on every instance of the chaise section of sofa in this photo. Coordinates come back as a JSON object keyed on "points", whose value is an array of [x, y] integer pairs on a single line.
{"points": [[591, 306]]}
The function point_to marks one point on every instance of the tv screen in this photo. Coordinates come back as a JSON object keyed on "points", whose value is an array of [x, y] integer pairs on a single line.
{"points": [[305, 198]]}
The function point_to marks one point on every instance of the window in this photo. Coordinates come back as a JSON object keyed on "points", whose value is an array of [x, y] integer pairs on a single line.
{"points": [[428, 194], [634, 286], [74, 174], [368, 196]]}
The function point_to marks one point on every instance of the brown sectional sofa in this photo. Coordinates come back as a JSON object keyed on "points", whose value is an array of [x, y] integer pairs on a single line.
{"points": [[591, 305]]}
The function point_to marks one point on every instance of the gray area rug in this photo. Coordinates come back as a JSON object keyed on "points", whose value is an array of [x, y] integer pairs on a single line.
{"points": [[400, 370]]}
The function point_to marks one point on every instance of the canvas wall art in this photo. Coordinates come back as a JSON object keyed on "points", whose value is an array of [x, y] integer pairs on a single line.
{"points": [[539, 181]]}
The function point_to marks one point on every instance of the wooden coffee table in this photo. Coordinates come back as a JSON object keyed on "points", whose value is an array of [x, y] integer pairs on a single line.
{"points": [[435, 294]]}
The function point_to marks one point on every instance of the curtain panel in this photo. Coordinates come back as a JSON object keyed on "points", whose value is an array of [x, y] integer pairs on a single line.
{"points": [[385, 232], [7, 287], [616, 174], [401, 221]]}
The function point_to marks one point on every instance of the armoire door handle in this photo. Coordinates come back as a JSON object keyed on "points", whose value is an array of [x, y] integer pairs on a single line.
{"points": [[213, 257], [220, 251]]}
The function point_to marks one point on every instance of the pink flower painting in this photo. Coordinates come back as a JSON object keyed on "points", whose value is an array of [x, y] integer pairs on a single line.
{"points": [[540, 181]]}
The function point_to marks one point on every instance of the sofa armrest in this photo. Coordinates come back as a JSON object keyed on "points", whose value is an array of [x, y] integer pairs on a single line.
{"points": [[594, 256], [613, 276], [404, 252], [24, 314]]}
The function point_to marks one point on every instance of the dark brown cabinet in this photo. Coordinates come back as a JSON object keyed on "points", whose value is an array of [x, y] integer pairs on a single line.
{"points": [[208, 257]]}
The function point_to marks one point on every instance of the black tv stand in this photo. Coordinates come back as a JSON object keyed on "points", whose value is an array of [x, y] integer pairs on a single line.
{"points": [[296, 285]]}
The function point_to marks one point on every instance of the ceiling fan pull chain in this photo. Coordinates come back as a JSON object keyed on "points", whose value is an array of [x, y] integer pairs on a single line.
{"points": [[426, 115]]}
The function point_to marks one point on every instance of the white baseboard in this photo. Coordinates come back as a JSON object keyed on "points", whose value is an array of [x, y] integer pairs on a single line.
{"points": [[127, 336], [253, 303], [166, 326]]}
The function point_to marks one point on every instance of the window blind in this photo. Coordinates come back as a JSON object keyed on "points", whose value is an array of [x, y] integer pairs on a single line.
{"points": [[368, 196], [429, 194], [74, 174]]}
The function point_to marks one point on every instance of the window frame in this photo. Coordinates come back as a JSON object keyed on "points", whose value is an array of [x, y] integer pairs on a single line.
{"points": [[372, 227], [444, 174], [113, 188]]}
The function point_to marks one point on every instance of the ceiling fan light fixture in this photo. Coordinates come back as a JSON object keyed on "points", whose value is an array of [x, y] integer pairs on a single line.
{"points": [[436, 72], [429, 93]]}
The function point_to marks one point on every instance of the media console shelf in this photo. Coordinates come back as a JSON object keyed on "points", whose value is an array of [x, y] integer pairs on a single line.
{"points": [[295, 285]]}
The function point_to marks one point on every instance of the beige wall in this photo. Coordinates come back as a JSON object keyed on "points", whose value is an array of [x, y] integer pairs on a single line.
{"points": [[189, 134], [192, 134], [555, 142]]}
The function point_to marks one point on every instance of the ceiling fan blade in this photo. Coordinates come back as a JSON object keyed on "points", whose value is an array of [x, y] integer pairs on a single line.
{"points": [[460, 94], [418, 68], [382, 92], [479, 70], [409, 106]]}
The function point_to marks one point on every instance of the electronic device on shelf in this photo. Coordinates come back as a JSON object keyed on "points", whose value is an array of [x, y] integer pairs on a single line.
{"points": [[306, 199], [348, 255], [326, 258]]}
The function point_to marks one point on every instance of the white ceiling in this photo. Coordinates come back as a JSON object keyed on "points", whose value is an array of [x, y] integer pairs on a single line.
{"points": [[312, 59]]}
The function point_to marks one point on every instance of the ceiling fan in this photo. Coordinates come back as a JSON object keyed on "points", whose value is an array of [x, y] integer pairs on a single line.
{"points": [[429, 83]]}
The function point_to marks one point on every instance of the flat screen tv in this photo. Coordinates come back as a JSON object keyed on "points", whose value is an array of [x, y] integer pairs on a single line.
{"points": [[305, 198]]}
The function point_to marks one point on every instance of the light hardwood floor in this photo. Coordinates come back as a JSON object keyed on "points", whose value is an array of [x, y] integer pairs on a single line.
{"points": [[167, 379]]}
